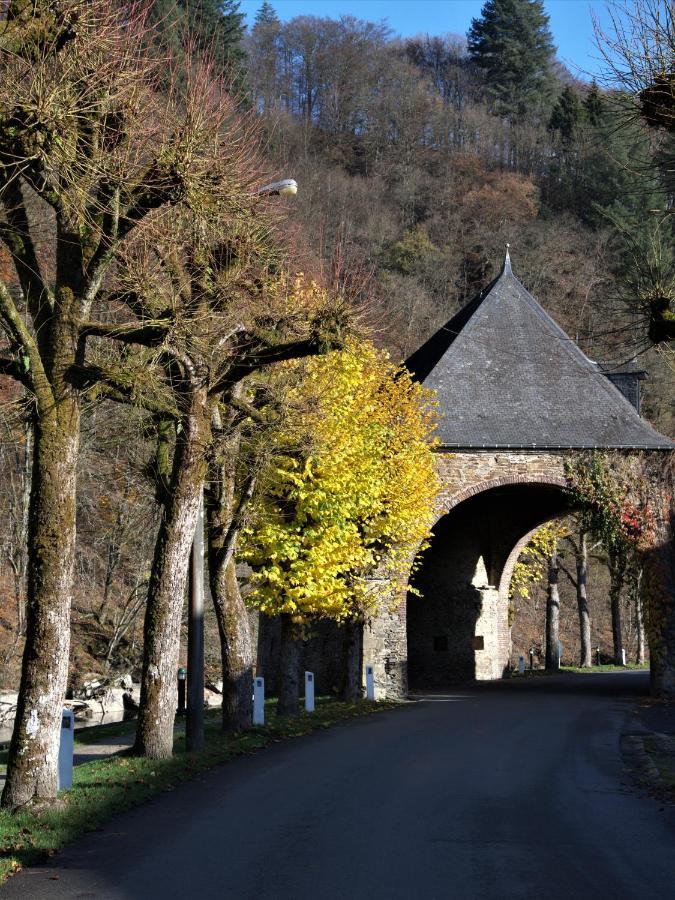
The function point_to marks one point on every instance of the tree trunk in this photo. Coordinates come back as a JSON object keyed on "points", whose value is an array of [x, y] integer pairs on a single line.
{"points": [[166, 591], [639, 618], [32, 767], [640, 621], [289, 668], [585, 655], [617, 565], [224, 520], [235, 645], [658, 561], [552, 615], [352, 648]]}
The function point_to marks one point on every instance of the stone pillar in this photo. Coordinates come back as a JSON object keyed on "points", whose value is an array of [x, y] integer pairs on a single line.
{"points": [[493, 645], [385, 648]]}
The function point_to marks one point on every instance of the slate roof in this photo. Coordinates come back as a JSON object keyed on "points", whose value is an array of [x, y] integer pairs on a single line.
{"points": [[506, 376]]}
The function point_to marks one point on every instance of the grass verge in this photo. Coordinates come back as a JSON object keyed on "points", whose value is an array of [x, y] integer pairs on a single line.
{"points": [[105, 787], [663, 757], [579, 670]]}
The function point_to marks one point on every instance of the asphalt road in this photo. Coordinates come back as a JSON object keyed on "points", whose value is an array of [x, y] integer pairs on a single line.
{"points": [[513, 790]]}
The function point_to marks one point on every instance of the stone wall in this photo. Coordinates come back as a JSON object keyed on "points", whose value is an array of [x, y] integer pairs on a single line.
{"points": [[458, 631]]}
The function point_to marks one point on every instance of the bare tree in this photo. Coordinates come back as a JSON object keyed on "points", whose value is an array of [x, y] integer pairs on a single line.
{"points": [[553, 614], [89, 151]]}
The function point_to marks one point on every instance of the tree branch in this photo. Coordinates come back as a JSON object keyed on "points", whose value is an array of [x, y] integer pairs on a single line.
{"points": [[160, 186], [32, 28], [15, 234], [226, 552], [91, 376], [248, 410], [147, 335], [567, 572], [265, 356]]}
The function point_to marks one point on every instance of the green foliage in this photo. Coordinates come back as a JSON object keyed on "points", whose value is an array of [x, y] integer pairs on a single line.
{"points": [[567, 114], [594, 105], [512, 46], [266, 15], [214, 27], [602, 493], [413, 253]]}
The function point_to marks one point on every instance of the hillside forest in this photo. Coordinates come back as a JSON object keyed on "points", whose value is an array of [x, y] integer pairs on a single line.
{"points": [[199, 311]]}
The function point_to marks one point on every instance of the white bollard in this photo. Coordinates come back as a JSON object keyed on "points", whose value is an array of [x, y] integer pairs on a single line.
{"points": [[258, 701], [370, 683], [66, 747], [623, 657], [309, 692], [521, 665]]}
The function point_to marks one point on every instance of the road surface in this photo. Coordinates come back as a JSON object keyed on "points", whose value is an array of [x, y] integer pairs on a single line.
{"points": [[509, 790]]}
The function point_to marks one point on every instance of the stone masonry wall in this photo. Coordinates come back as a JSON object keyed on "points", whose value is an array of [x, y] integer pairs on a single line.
{"points": [[463, 474]]}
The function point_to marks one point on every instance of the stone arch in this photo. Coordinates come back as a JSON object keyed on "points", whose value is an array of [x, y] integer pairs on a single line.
{"points": [[460, 631], [512, 559], [503, 480]]}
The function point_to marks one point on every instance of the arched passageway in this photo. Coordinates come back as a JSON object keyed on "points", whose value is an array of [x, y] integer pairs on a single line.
{"points": [[517, 401], [458, 629]]}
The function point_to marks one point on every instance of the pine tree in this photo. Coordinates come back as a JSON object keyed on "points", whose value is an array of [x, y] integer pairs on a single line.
{"points": [[215, 27], [567, 115], [512, 47], [264, 51], [594, 105], [266, 15]]}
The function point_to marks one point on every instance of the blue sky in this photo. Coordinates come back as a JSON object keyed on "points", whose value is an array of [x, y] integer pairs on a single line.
{"points": [[571, 22]]}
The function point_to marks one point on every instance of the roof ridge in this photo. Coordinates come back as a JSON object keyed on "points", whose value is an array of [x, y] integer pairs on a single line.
{"points": [[575, 352], [508, 375]]}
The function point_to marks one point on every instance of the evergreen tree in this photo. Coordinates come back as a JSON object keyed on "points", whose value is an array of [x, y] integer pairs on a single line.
{"points": [[512, 46], [266, 15], [264, 50], [567, 115], [215, 27], [594, 106]]}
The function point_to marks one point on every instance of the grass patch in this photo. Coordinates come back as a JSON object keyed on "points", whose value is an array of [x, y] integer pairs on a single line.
{"points": [[579, 670], [99, 734], [108, 786], [606, 667], [665, 763]]}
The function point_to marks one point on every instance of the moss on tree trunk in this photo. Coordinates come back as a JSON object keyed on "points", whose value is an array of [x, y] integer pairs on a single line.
{"points": [[352, 659], [166, 591], [289, 668], [235, 644], [582, 603], [33, 758]]}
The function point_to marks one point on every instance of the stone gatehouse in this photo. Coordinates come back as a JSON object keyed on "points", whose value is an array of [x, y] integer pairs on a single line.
{"points": [[517, 398]]}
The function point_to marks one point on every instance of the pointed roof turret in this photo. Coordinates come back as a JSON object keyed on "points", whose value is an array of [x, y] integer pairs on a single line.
{"points": [[506, 375], [507, 260]]}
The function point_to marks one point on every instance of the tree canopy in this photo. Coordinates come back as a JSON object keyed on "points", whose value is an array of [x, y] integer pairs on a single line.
{"points": [[512, 46], [351, 489]]}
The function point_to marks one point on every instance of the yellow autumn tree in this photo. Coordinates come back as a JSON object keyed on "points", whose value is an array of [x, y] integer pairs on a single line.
{"points": [[349, 496], [532, 562]]}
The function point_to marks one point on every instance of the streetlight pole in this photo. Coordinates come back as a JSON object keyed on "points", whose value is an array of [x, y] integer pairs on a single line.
{"points": [[194, 725]]}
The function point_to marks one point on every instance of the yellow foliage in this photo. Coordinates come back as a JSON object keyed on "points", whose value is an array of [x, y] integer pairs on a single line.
{"points": [[351, 490], [532, 562]]}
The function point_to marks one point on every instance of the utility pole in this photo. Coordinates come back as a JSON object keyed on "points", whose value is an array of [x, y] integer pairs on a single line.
{"points": [[194, 725]]}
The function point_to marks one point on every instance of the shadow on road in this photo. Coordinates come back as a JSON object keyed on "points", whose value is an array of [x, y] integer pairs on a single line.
{"points": [[610, 684]]}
